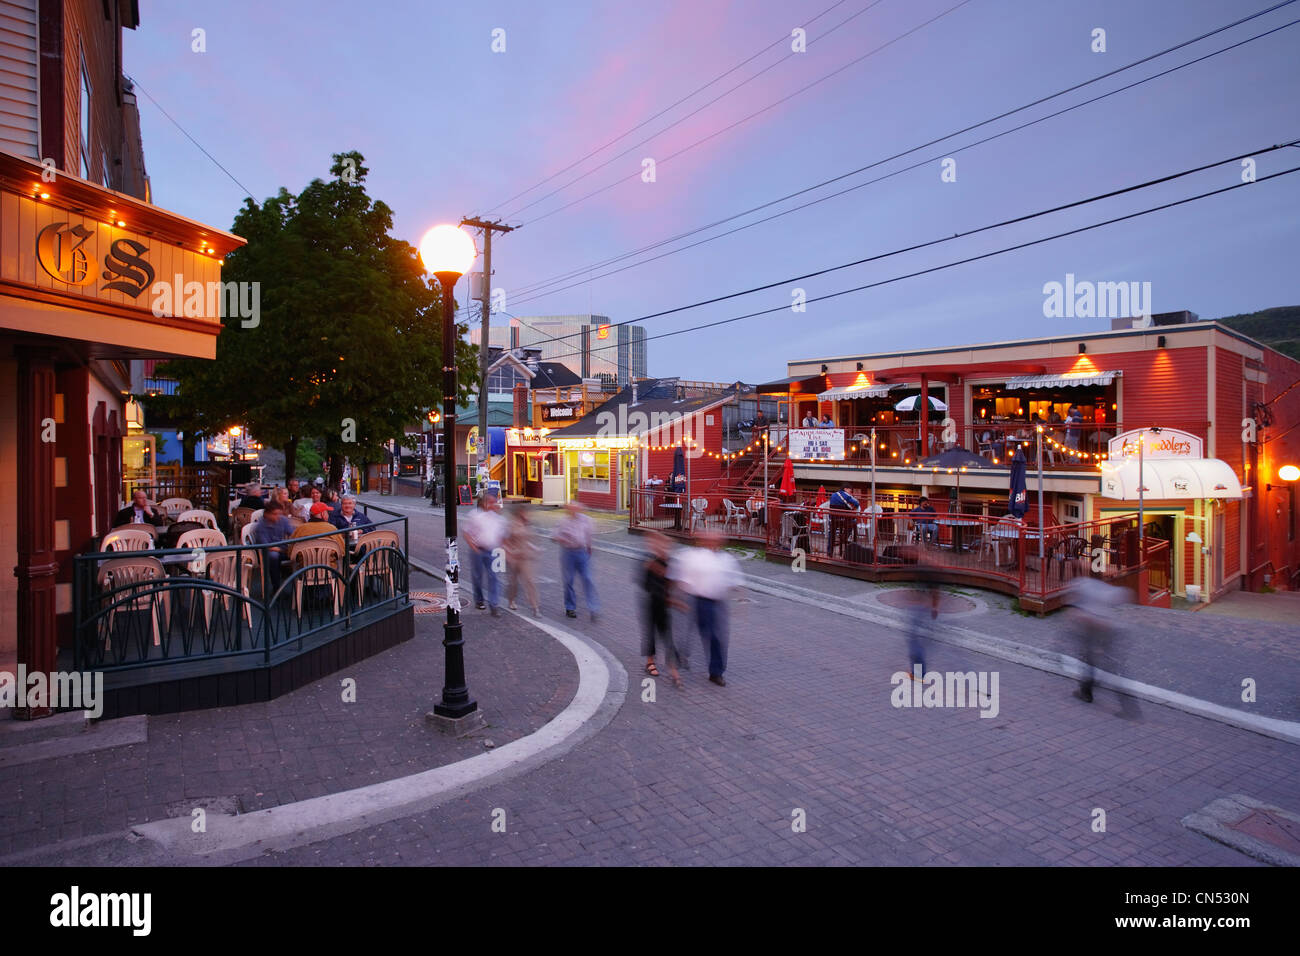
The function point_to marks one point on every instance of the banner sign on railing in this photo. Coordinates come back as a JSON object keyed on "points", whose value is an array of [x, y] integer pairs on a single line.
{"points": [[817, 444]]}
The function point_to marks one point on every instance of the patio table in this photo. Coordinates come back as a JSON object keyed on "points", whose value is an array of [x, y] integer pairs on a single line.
{"points": [[958, 526]]}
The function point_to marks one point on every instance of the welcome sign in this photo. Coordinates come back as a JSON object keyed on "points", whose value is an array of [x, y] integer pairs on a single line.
{"points": [[817, 444]]}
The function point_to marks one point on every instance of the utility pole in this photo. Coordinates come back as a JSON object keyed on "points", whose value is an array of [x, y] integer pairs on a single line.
{"points": [[485, 447]]}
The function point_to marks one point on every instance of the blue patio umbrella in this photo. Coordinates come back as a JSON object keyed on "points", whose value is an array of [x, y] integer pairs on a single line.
{"points": [[956, 461], [1018, 499], [679, 467]]}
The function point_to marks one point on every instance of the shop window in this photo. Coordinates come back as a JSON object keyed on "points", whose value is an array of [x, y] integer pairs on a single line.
{"points": [[593, 471]]}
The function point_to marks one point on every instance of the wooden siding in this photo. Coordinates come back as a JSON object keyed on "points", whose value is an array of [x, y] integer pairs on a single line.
{"points": [[19, 105]]}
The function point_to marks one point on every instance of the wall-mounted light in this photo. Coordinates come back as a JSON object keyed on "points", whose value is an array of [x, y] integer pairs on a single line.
{"points": [[1083, 348], [1288, 473], [825, 370], [859, 366], [1160, 341], [1194, 537]]}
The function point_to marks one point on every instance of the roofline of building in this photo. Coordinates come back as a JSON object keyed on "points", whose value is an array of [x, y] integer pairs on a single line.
{"points": [[1047, 340]]}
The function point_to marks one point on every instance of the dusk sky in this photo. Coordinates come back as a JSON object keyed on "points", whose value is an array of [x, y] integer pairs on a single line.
{"points": [[450, 128]]}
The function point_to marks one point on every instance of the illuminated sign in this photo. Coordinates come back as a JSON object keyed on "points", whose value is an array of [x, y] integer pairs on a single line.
{"points": [[817, 444], [562, 411], [602, 332], [1166, 443]]}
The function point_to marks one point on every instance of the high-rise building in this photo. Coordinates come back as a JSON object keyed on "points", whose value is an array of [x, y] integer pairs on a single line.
{"points": [[590, 345]]}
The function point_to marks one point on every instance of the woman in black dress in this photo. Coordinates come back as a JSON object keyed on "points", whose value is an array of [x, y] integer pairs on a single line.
{"points": [[658, 590]]}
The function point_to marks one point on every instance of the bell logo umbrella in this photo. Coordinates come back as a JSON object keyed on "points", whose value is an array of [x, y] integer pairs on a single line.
{"points": [[909, 404], [1018, 498]]}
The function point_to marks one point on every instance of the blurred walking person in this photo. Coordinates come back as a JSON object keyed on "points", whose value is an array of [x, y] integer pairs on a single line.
{"points": [[485, 530], [574, 536], [658, 588], [521, 554], [1092, 606], [709, 575], [922, 615]]}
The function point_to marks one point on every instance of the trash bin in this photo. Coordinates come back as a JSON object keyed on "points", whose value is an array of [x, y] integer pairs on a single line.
{"points": [[1194, 593]]}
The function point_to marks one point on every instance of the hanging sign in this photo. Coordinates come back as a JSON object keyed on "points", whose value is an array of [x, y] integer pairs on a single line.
{"points": [[817, 444]]}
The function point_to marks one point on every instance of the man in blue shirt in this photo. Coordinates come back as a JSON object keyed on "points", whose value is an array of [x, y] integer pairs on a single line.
{"points": [[924, 515], [842, 525], [273, 529]]}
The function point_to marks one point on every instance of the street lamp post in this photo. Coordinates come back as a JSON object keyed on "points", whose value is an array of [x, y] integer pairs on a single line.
{"points": [[448, 253]]}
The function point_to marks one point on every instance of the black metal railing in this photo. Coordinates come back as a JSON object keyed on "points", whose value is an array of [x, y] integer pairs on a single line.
{"points": [[245, 604]]}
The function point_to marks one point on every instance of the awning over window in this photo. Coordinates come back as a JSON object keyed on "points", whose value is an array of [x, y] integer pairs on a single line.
{"points": [[846, 392], [1069, 379], [1170, 478]]}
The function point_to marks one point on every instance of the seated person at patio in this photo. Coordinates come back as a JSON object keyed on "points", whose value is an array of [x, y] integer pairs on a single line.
{"points": [[273, 529], [302, 507], [253, 497], [281, 497], [842, 525], [139, 511], [319, 522], [826, 422], [924, 515], [349, 517], [809, 421], [293, 488]]}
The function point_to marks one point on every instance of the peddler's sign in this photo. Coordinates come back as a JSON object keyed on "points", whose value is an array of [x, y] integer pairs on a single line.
{"points": [[817, 444], [1165, 443]]}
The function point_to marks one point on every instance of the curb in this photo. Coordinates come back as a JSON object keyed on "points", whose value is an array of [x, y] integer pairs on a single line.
{"points": [[602, 688]]}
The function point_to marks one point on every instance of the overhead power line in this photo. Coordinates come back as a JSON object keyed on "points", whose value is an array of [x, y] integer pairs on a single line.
{"points": [[135, 83], [538, 288], [667, 109], [746, 119], [968, 233], [700, 109]]}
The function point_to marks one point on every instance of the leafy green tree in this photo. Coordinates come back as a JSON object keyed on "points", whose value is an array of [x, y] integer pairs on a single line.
{"points": [[348, 345]]}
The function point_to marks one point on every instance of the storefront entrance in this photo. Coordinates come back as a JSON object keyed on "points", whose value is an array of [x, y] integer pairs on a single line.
{"points": [[626, 479]]}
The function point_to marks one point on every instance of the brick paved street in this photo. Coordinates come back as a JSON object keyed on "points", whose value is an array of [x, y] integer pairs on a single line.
{"points": [[714, 775], [301, 745], [707, 775]]}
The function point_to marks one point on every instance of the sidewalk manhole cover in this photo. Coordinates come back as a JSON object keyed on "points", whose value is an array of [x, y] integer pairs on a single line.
{"points": [[1257, 829], [1271, 828], [432, 602], [908, 598]]}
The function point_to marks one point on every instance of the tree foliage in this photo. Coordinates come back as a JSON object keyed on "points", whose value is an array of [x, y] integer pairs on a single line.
{"points": [[348, 346]]}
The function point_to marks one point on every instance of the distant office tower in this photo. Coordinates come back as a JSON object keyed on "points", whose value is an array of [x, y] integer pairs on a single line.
{"points": [[589, 345]]}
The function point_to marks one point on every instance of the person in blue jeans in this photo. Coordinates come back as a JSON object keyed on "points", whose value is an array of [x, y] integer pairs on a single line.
{"points": [[709, 575], [925, 515], [485, 532], [574, 534]]}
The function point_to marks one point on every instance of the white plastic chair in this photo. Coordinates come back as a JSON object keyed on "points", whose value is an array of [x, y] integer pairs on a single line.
{"points": [[326, 552], [734, 513], [201, 515], [172, 507], [698, 507], [127, 538]]}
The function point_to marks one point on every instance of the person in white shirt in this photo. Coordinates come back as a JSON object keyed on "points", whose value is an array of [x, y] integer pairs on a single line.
{"points": [[485, 531], [709, 575], [573, 535]]}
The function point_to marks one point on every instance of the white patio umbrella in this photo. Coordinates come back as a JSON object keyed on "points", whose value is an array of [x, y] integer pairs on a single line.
{"points": [[909, 404]]}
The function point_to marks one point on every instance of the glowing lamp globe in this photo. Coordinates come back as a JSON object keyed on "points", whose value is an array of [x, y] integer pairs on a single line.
{"points": [[1288, 472], [447, 249]]}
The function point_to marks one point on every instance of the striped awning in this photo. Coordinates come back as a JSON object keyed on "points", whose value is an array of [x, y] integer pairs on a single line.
{"points": [[846, 392], [1069, 379]]}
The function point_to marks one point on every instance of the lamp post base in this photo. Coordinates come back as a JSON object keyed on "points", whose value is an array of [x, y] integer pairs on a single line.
{"points": [[457, 726]]}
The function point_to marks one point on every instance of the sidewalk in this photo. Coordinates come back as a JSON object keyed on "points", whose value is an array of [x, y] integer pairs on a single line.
{"points": [[301, 745]]}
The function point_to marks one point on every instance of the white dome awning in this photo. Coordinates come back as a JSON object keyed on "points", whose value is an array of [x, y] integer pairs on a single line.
{"points": [[846, 392], [1169, 479], [1067, 380]]}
